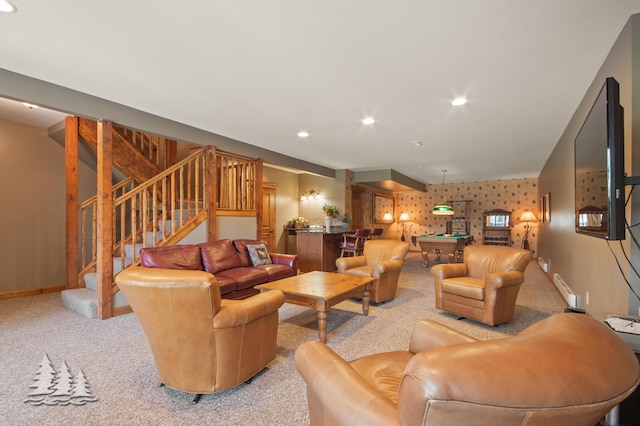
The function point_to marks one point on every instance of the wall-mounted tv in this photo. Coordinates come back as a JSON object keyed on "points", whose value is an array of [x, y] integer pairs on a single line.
{"points": [[599, 167]]}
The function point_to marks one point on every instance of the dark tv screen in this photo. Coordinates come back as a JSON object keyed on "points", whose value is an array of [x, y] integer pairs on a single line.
{"points": [[599, 167]]}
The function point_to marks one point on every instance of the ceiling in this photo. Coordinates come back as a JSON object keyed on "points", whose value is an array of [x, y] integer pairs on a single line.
{"points": [[260, 72]]}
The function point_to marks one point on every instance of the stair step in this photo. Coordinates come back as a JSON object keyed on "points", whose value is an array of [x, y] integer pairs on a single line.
{"points": [[91, 278], [81, 300]]}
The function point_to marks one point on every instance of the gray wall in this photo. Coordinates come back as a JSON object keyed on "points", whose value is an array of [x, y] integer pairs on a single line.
{"points": [[32, 217], [587, 263]]}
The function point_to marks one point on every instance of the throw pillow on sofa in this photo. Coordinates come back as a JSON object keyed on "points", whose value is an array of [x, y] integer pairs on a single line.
{"points": [[259, 254]]}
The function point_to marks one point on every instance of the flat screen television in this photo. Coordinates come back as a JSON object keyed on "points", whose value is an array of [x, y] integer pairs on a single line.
{"points": [[599, 167]]}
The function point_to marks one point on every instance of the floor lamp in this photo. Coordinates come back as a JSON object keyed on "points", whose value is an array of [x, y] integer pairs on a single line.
{"points": [[527, 216]]}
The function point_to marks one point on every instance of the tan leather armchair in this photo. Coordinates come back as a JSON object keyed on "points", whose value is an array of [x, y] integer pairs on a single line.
{"points": [[380, 259], [568, 369], [485, 286], [201, 343]]}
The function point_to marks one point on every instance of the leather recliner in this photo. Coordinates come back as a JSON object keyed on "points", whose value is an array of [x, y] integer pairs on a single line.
{"points": [[201, 343], [485, 286], [568, 369], [380, 259]]}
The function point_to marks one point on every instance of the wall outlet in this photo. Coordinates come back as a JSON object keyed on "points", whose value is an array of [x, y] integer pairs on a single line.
{"points": [[586, 298]]}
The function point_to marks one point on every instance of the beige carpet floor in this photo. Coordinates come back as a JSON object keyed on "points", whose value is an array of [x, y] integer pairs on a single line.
{"points": [[116, 361]]}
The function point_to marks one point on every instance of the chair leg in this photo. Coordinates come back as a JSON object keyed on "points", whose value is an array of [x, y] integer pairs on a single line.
{"points": [[196, 398]]}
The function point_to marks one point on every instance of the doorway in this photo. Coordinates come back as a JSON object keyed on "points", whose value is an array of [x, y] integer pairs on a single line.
{"points": [[269, 215]]}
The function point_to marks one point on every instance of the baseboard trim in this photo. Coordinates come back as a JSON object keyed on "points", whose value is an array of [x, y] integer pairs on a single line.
{"points": [[31, 292], [121, 310]]}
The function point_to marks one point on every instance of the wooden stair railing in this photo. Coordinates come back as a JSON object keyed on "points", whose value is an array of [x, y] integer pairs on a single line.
{"points": [[126, 157], [157, 212]]}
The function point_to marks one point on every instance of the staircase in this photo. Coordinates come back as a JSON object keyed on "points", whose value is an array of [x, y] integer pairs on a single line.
{"points": [[84, 300], [147, 211]]}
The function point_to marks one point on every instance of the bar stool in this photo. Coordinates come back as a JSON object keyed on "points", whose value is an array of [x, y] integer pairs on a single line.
{"points": [[376, 233], [354, 243]]}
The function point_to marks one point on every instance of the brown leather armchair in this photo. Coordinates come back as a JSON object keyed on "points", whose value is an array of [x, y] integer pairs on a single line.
{"points": [[485, 286], [201, 343], [380, 259], [568, 369]]}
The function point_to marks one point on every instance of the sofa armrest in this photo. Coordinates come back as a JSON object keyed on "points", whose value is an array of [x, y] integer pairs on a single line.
{"points": [[450, 270], [344, 263], [289, 260], [339, 389], [233, 313], [427, 334], [387, 266], [503, 279]]}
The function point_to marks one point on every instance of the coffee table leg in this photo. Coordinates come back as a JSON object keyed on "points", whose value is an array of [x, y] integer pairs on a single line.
{"points": [[365, 300], [322, 325]]}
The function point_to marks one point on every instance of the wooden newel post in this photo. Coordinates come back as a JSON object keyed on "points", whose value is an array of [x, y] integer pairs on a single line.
{"points": [[104, 265]]}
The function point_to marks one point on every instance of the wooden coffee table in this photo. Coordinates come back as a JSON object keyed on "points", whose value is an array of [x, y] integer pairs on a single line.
{"points": [[322, 290]]}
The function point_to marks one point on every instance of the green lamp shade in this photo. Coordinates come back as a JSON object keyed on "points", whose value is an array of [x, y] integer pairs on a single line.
{"points": [[442, 210]]}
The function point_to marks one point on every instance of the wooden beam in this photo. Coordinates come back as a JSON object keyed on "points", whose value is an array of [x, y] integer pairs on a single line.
{"points": [[71, 196], [212, 185], [104, 265]]}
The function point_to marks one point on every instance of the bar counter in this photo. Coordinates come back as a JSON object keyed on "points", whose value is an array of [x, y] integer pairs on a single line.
{"points": [[318, 249]]}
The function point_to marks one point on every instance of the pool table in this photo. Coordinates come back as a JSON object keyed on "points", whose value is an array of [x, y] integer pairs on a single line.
{"points": [[449, 244]]}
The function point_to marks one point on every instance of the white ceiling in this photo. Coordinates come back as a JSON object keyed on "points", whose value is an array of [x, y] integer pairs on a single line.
{"points": [[260, 71]]}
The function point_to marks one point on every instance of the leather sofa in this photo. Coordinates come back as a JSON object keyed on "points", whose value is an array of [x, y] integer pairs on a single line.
{"points": [[380, 259], [568, 369], [485, 286], [228, 260], [201, 343]]}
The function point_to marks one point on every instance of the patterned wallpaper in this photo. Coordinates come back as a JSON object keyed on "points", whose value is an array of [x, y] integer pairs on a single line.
{"points": [[514, 195]]}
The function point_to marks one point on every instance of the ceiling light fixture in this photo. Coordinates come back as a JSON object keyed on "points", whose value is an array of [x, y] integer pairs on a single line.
{"points": [[303, 134], [7, 7], [368, 120], [28, 105], [459, 101], [416, 143], [443, 209]]}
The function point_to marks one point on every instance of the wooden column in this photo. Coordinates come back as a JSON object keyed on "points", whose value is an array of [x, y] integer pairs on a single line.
{"points": [[71, 194], [212, 198], [258, 190], [170, 153], [104, 265]]}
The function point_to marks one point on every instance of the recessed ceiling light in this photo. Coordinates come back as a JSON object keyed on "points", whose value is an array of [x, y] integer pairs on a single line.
{"points": [[368, 120], [459, 101], [7, 7], [303, 134]]}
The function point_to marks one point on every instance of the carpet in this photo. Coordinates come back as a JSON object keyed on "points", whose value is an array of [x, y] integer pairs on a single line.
{"points": [[114, 358]]}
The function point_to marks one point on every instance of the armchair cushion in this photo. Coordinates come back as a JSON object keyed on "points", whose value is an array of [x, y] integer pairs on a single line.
{"points": [[549, 375], [381, 260], [201, 343], [485, 287]]}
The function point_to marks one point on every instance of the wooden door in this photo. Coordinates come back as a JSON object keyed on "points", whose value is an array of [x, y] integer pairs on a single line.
{"points": [[357, 207], [269, 215]]}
